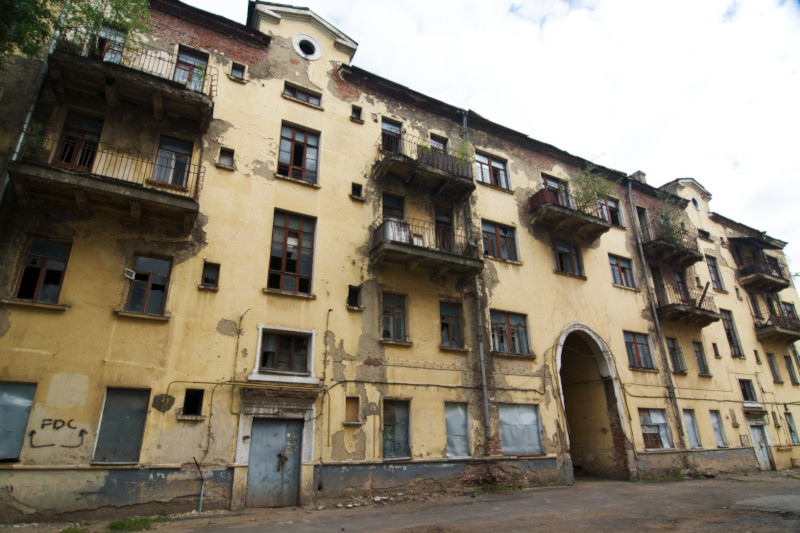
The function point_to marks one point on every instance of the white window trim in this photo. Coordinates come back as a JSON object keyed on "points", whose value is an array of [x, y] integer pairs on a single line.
{"points": [[280, 376]]}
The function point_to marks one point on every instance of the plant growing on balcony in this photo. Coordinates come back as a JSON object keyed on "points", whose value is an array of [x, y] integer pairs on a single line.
{"points": [[465, 156], [589, 187], [667, 223], [33, 145]]}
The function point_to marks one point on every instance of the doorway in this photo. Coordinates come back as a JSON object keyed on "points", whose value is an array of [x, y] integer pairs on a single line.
{"points": [[760, 446], [273, 475]]}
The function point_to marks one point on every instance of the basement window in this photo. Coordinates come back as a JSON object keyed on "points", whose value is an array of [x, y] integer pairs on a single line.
{"points": [[193, 402], [655, 429], [210, 276], [225, 157]]}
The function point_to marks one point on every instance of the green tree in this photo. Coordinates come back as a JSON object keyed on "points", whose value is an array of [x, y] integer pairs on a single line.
{"points": [[589, 186], [27, 25]]}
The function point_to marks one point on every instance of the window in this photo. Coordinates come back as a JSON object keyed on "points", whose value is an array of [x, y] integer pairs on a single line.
{"points": [[119, 437], [396, 438], [758, 357], [703, 234], [789, 310], [610, 210], [226, 157], [676, 356], [356, 190], [173, 162], [306, 46], [354, 296], [148, 292], [79, 142], [191, 69], [790, 369], [716, 350], [713, 270], [298, 154], [491, 170], [356, 113], [283, 352], [655, 429], [773, 367], [43, 271], [390, 135], [110, 44], [754, 305], [700, 354], [520, 429], [438, 142], [291, 254], [795, 354], [193, 402], [567, 258], [691, 428], [351, 410], [638, 349], [559, 191], [499, 241], [748, 391], [302, 94], [621, 272], [456, 419], [394, 317], [792, 427], [450, 325], [237, 71], [730, 332], [719, 430], [509, 333], [210, 279], [16, 400]]}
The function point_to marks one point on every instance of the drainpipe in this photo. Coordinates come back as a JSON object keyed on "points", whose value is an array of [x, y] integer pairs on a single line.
{"points": [[34, 99], [651, 297], [478, 312]]}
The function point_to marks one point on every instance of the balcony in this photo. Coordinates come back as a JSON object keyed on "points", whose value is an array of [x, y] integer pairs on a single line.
{"points": [[88, 175], [693, 307], [763, 275], [777, 328], [553, 211], [169, 85], [411, 159], [421, 245], [676, 247]]}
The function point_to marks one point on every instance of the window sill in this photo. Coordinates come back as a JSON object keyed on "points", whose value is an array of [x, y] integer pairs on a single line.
{"points": [[702, 375], [392, 342], [495, 187], [530, 356], [777, 382], [115, 463], [357, 120], [267, 290], [237, 80], [453, 349], [501, 260], [356, 309], [225, 167], [396, 459], [623, 228], [34, 304], [191, 418], [633, 289], [304, 379], [212, 288], [352, 424], [721, 291], [313, 106], [299, 182], [158, 318], [680, 372], [642, 369], [568, 275], [357, 198]]}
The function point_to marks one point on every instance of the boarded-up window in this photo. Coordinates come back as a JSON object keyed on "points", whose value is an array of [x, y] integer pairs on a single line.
{"points": [[655, 429], [351, 410], [119, 438], [456, 420], [691, 428], [519, 429], [16, 400], [719, 431], [395, 430]]}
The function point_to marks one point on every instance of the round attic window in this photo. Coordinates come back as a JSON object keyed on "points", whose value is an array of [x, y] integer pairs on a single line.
{"points": [[307, 46]]}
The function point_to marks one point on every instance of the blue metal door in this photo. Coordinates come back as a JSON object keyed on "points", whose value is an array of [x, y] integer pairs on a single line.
{"points": [[273, 476]]}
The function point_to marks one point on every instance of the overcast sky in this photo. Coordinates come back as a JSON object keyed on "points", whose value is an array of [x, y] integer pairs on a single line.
{"points": [[706, 89]]}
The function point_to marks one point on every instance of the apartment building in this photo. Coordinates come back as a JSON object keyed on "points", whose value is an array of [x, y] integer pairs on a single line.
{"points": [[242, 270]]}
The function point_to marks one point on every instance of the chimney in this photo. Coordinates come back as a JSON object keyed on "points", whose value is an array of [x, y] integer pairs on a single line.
{"points": [[638, 176]]}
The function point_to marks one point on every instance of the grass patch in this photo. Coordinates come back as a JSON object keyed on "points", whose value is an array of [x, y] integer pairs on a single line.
{"points": [[136, 524]]}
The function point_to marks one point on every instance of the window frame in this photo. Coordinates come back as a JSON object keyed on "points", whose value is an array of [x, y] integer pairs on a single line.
{"points": [[662, 428], [792, 427], [718, 428], [288, 168], [195, 64], [692, 431], [405, 444], [529, 446], [613, 215], [43, 270], [791, 370], [101, 440], [508, 332], [283, 376], [173, 165], [621, 274], [278, 348], [702, 361], [149, 285], [676, 358], [567, 255], [277, 277], [639, 359], [748, 390], [14, 434], [493, 241], [773, 368], [241, 68], [732, 335], [450, 325], [492, 170], [209, 267], [302, 94], [457, 430], [395, 312], [715, 273]]}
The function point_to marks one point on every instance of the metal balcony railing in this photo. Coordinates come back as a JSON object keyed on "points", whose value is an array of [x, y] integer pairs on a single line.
{"points": [[549, 196], [424, 234], [166, 171], [670, 294], [143, 58], [420, 150], [771, 266], [780, 321], [678, 236]]}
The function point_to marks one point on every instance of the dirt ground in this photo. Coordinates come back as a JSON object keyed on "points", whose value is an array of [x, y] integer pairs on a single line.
{"points": [[758, 502]]}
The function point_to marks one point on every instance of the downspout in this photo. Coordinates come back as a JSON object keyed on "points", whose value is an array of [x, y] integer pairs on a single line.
{"points": [[651, 297], [34, 99], [478, 312]]}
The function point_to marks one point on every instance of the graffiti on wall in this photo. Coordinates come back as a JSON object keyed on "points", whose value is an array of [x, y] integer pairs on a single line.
{"points": [[56, 425]]}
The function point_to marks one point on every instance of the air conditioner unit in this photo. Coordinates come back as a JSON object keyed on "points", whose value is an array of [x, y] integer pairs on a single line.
{"points": [[128, 273]]}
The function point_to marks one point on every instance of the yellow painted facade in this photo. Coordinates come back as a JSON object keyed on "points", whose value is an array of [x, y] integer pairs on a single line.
{"points": [[232, 257]]}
